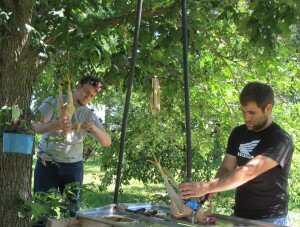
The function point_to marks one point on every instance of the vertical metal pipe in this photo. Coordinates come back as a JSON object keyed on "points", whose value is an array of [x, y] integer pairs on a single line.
{"points": [[128, 94], [186, 92]]}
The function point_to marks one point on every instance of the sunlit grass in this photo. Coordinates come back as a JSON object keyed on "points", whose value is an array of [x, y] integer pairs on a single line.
{"points": [[137, 192]]}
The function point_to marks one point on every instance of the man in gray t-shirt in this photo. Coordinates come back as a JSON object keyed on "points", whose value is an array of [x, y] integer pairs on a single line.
{"points": [[60, 152]]}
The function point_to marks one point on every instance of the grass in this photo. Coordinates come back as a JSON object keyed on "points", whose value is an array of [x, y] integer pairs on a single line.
{"points": [[137, 192]]}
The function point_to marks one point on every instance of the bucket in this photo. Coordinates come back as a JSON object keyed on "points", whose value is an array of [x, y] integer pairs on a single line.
{"points": [[17, 143]]}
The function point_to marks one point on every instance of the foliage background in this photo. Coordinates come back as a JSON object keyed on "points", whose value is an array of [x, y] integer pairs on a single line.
{"points": [[231, 42]]}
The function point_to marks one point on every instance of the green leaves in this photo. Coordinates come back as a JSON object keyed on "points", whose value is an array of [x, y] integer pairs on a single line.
{"points": [[15, 113], [230, 43], [4, 16]]}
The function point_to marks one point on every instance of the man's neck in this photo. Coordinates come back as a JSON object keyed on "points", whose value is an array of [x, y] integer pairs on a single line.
{"points": [[268, 123]]}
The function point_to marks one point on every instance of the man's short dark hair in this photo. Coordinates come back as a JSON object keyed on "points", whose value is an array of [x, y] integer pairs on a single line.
{"points": [[94, 81], [261, 94]]}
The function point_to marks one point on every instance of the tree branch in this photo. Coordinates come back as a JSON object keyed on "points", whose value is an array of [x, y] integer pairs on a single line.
{"points": [[114, 21]]}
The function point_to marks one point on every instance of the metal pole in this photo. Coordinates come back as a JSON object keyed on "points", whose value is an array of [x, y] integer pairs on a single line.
{"points": [[186, 92], [128, 94]]}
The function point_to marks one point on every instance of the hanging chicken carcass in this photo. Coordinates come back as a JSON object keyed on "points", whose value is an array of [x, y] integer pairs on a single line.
{"points": [[66, 107], [155, 96]]}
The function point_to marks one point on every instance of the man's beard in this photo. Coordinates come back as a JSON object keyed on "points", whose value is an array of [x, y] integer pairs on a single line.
{"points": [[261, 124], [80, 103]]}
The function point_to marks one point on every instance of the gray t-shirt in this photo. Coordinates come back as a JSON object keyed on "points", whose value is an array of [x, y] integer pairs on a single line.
{"points": [[53, 146]]}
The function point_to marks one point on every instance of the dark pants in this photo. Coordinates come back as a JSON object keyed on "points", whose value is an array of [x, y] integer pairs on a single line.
{"points": [[56, 175]]}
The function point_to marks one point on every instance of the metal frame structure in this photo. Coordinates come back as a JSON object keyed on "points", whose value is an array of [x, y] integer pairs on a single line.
{"points": [[129, 89]]}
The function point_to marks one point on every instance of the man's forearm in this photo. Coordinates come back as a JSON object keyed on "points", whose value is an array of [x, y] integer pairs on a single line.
{"points": [[41, 128], [103, 137], [226, 180], [232, 179], [222, 172]]}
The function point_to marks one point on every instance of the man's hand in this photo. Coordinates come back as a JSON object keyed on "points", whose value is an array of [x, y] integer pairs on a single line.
{"points": [[212, 195], [102, 136], [90, 126], [60, 124], [193, 189]]}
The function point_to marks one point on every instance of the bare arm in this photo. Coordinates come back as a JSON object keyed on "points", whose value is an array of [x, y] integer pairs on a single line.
{"points": [[103, 137], [228, 180], [228, 165], [243, 174]]}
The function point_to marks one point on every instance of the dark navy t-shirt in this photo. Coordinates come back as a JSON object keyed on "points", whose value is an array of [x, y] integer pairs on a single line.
{"points": [[266, 195]]}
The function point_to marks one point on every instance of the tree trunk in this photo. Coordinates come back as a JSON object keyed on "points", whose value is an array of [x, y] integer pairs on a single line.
{"points": [[17, 73], [15, 177], [15, 169]]}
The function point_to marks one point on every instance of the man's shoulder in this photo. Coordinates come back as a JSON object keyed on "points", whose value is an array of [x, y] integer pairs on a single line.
{"points": [[239, 129], [49, 101], [276, 133], [84, 111], [277, 130]]}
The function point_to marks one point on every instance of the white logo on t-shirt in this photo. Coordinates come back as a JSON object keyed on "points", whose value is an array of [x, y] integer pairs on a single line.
{"points": [[246, 149]]}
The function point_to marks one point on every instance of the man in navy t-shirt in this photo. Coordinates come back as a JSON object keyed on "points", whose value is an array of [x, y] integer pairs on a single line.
{"points": [[257, 162]]}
